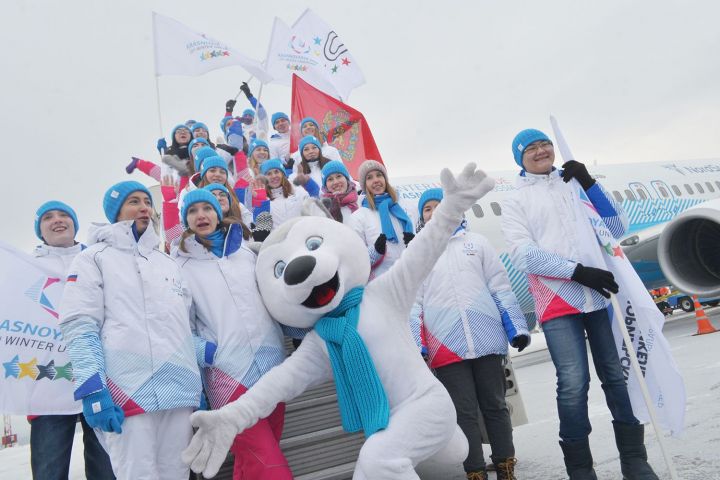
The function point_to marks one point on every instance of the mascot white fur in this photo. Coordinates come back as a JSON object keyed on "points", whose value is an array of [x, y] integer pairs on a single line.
{"points": [[313, 272]]}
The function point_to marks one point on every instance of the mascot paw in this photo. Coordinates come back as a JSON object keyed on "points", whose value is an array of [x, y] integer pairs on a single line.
{"points": [[461, 192], [210, 444]]}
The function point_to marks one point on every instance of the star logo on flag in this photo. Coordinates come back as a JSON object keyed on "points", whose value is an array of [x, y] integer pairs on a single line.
{"points": [[28, 369], [317, 40], [334, 69], [46, 371], [64, 372], [346, 62], [11, 367], [617, 252]]}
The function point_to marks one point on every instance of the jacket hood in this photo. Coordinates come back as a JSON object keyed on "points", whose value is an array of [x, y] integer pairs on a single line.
{"points": [[120, 235], [525, 178], [45, 250]]}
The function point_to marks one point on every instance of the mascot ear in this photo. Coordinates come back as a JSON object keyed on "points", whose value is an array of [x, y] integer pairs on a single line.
{"points": [[314, 207]]}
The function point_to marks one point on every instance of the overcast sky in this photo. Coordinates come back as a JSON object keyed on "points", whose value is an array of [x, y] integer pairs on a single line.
{"points": [[447, 82]]}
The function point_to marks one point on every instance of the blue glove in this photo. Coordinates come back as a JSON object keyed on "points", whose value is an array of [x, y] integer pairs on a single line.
{"points": [[210, 349], [161, 145], [235, 129], [100, 412]]}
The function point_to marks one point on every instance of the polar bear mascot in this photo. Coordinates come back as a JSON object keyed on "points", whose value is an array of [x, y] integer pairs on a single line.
{"points": [[313, 272]]}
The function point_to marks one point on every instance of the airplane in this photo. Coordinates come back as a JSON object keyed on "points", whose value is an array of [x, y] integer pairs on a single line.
{"points": [[673, 209]]}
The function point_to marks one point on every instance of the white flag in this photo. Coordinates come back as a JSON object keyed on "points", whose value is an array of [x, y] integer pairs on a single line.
{"points": [[182, 51], [312, 50], [643, 321], [36, 374]]}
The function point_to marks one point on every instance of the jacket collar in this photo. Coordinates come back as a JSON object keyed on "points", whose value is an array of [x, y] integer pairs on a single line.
{"points": [[120, 235], [45, 250], [525, 178], [233, 241]]}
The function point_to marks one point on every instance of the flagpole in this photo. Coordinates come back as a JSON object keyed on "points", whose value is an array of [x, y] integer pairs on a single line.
{"points": [[247, 81], [643, 387], [157, 98]]}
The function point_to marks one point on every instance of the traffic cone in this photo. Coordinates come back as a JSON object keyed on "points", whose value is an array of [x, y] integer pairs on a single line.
{"points": [[703, 322]]}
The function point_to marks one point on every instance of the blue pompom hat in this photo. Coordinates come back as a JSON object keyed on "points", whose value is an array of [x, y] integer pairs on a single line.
{"points": [[311, 120], [197, 125], [277, 116], [257, 143], [429, 194], [211, 162], [196, 196], [273, 163], [202, 154], [334, 166], [116, 195], [523, 139], [248, 112], [306, 140], [54, 205]]}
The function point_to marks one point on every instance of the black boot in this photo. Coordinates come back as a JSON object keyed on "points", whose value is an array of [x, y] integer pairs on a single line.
{"points": [[578, 460], [633, 456]]}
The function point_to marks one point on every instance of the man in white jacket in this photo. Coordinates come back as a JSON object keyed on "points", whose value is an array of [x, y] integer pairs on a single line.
{"points": [[51, 436], [125, 318], [550, 239]]}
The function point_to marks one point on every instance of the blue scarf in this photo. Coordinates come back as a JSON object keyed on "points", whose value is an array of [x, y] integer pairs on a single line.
{"points": [[217, 242], [361, 397], [385, 207]]}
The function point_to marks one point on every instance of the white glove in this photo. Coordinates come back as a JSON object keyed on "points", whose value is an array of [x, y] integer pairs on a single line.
{"points": [[216, 431], [461, 193]]}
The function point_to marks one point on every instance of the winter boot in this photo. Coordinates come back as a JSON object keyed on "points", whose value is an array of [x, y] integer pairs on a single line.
{"points": [[578, 460], [477, 475], [633, 456], [506, 469]]}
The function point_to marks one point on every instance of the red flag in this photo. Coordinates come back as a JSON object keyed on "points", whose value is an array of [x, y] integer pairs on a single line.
{"points": [[344, 127]]}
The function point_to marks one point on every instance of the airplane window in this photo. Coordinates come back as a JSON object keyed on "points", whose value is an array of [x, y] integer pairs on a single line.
{"points": [[478, 211], [629, 195], [495, 208], [617, 195], [710, 187], [689, 189], [699, 188], [676, 190], [663, 192], [642, 195]]}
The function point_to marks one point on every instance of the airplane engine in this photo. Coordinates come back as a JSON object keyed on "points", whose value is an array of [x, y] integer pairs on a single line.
{"points": [[689, 250]]}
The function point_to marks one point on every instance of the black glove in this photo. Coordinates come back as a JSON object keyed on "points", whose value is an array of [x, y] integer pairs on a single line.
{"points": [[290, 162], [230, 105], [407, 236], [520, 342], [246, 90], [598, 279], [577, 170], [262, 227], [381, 244]]}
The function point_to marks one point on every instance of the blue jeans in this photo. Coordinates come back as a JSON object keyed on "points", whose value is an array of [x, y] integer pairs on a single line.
{"points": [[51, 439], [565, 338]]}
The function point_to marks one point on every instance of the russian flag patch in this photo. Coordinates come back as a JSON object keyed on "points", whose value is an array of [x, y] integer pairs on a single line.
{"points": [[72, 278]]}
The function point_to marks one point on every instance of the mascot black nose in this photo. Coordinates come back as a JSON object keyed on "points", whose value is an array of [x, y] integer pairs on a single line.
{"points": [[298, 270]]}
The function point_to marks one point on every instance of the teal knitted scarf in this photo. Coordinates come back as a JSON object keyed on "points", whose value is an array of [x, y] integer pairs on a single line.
{"points": [[362, 399]]}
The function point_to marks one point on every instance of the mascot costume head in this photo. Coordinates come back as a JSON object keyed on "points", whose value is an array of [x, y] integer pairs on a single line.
{"points": [[313, 273]]}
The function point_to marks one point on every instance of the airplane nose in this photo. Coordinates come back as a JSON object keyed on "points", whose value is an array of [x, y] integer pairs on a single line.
{"points": [[299, 269]]}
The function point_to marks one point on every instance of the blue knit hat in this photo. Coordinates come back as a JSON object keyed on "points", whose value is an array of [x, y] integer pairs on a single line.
{"points": [[54, 205], [273, 163], [248, 111], [177, 127], [429, 194], [306, 140], [523, 139], [311, 120], [334, 167], [197, 125], [202, 154], [277, 116], [195, 141], [218, 186], [257, 143], [116, 195], [196, 196], [211, 162]]}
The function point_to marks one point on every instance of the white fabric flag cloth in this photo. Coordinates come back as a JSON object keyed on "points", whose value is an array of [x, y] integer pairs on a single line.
{"points": [[181, 51], [36, 370], [642, 320], [312, 50]]}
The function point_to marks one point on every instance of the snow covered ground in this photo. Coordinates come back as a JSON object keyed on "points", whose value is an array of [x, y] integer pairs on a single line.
{"points": [[696, 453]]}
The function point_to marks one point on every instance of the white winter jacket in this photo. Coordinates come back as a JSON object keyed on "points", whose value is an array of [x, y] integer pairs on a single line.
{"points": [[124, 315], [279, 144], [465, 308], [366, 223], [282, 208], [228, 311], [57, 259]]}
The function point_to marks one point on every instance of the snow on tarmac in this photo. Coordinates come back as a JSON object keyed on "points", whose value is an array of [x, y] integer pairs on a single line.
{"points": [[696, 453]]}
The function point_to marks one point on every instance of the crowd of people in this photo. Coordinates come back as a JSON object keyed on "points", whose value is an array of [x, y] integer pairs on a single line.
{"points": [[154, 335]]}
